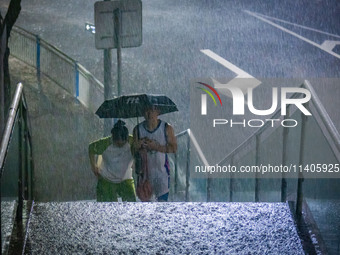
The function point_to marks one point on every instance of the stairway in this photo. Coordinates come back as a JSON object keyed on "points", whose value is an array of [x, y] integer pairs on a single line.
{"points": [[162, 228]]}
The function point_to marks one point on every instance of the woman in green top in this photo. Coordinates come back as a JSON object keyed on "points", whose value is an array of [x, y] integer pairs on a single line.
{"points": [[115, 171]]}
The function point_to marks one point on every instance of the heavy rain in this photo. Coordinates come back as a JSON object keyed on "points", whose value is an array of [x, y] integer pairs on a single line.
{"points": [[262, 44]]}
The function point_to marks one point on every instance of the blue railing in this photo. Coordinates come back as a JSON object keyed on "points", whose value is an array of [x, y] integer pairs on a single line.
{"points": [[63, 70]]}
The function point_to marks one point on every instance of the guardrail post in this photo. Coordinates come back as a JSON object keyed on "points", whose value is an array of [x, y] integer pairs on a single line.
{"points": [[299, 196], [38, 57], [26, 139], [0, 219], [76, 80], [176, 174], [208, 188], [32, 172], [284, 160], [21, 162], [231, 185], [257, 161], [187, 175]]}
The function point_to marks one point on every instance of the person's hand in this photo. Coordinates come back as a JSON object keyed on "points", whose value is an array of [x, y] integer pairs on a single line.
{"points": [[143, 143], [152, 145], [140, 143], [96, 171]]}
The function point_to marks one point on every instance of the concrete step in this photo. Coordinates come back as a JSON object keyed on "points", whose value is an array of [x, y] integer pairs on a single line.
{"points": [[8, 208], [162, 228]]}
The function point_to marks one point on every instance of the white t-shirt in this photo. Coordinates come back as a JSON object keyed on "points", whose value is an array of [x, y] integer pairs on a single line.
{"points": [[116, 163]]}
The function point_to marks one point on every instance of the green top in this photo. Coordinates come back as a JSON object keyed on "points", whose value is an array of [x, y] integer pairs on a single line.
{"points": [[98, 147]]}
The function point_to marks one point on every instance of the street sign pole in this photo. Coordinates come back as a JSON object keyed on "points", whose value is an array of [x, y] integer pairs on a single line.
{"points": [[107, 85], [118, 24], [117, 33]]}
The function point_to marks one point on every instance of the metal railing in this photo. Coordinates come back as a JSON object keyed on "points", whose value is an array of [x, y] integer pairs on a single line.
{"points": [[322, 119], [16, 161], [56, 65]]}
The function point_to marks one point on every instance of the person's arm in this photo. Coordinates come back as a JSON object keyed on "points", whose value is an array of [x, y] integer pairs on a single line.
{"points": [[97, 148], [95, 169], [136, 142], [135, 145], [171, 145], [130, 141]]}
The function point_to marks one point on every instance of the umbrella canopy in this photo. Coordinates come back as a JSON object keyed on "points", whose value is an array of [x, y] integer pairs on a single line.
{"points": [[130, 106]]}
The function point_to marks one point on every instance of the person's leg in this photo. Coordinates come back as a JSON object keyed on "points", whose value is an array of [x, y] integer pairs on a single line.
{"points": [[127, 190], [164, 197], [105, 191]]}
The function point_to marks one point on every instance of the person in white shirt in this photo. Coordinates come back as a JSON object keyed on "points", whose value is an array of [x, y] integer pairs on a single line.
{"points": [[158, 138], [115, 171]]}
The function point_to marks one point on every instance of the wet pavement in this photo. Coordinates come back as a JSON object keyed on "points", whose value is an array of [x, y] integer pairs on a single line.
{"points": [[61, 129], [326, 213], [7, 221], [162, 228]]}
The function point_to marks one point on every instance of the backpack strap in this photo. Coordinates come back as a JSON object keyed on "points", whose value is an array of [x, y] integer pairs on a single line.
{"points": [[165, 134], [166, 163]]}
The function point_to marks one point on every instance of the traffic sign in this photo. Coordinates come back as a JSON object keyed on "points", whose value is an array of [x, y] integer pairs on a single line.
{"points": [[127, 14]]}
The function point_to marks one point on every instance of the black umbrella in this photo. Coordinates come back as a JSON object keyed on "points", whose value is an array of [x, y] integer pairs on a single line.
{"points": [[130, 106]]}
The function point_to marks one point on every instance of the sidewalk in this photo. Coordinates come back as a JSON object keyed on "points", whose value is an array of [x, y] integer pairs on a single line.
{"points": [[61, 131]]}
